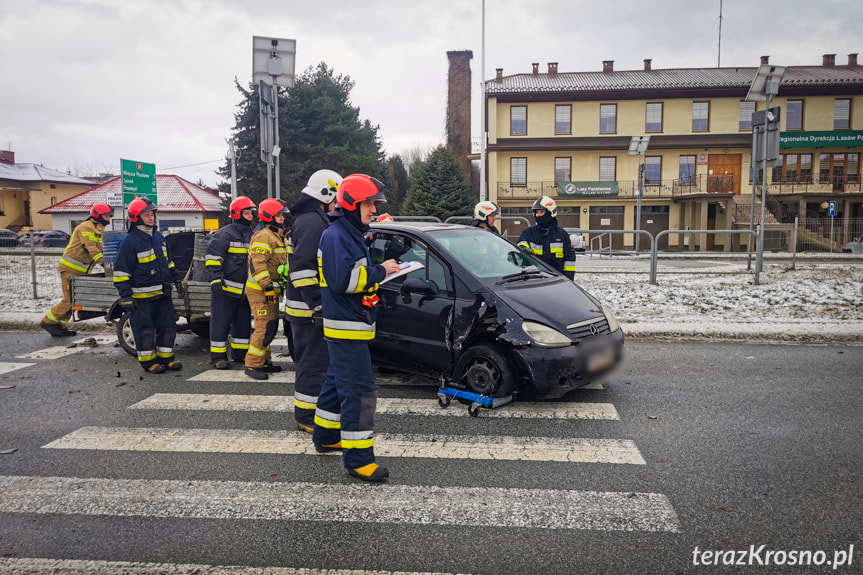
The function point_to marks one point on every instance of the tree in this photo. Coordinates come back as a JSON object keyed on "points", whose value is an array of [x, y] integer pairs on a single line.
{"points": [[398, 182], [438, 188], [318, 128]]}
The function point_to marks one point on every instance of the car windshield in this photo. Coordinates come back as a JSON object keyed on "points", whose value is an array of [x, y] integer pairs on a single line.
{"points": [[484, 253]]}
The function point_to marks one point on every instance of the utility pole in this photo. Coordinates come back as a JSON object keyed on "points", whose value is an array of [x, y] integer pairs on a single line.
{"points": [[232, 150]]}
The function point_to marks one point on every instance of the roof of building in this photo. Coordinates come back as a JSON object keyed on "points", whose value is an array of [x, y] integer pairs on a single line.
{"points": [[174, 195], [36, 173], [673, 79]]}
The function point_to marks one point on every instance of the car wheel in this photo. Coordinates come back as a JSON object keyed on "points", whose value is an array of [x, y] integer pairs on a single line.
{"points": [[486, 370], [125, 336]]}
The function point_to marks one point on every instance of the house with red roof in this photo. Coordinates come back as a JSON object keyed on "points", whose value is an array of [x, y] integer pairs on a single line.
{"points": [[182, 205]]}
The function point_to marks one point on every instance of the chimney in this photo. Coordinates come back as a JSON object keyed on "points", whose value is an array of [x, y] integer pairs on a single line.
{"points": [[647, 62], [828, 60], [552, 67], [458, 122], [499, 77], [852, 59], [7, 157], [765, 60], [535, 68], [608, 65]]}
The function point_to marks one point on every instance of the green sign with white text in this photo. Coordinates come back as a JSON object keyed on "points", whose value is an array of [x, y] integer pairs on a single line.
{"points": [[587, 189], [819, 139], [139, 181]]}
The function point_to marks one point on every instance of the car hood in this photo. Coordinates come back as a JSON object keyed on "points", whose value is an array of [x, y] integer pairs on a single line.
{"points": [[552, 301]]}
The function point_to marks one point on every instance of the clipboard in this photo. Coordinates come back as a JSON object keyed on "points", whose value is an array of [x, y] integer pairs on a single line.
{"points": [[404, 268]]}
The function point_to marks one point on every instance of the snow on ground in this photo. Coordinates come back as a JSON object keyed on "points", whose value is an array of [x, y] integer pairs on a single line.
{"points": [[816, 303]]}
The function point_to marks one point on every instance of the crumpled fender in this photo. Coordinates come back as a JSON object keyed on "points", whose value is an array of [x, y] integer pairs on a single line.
{"points": [[485, 315]]}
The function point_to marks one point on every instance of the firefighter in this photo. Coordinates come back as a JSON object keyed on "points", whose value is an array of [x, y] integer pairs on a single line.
{"points": [[227, 262], [547, 240], [303, 293], [484, 215], [143, 275], [83, 251], [267, 252], [344, 418]]}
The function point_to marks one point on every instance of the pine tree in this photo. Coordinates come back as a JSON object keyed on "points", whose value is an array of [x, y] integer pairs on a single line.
{"points": [[438, 188]]}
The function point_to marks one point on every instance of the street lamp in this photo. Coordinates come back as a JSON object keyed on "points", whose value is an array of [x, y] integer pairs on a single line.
{"points": [[638, 147], [764, 87]]}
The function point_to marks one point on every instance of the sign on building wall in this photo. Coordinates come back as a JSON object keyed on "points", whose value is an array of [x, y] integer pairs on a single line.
{"points": [[810, 139], [139, 180], [589, 189]]}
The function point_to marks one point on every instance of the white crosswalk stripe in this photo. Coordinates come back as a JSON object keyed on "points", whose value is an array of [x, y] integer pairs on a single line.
{"points": [[385, 405], [61, 351], [399, 504], [8, 366], [573, 450]]}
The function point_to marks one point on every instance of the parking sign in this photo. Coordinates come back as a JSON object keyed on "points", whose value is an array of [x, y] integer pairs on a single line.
{"points": [[831, 208]]}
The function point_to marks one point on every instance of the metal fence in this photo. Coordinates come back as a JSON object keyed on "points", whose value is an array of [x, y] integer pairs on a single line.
{"points": [[29, 275]]}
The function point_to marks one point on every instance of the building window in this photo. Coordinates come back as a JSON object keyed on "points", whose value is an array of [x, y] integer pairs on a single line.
{"points": [[563, 119], [608, 118], [687, 169], [842, 114], [744, 120], [854, 167], [794, 115], [518, 171], [562, 170], [796, 169], [518, 120], [652, 169], [653, 117], [607, 169], [700, 116]]}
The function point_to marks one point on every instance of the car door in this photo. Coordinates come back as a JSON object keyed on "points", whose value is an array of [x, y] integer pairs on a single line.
{"points": [[411, 327]]}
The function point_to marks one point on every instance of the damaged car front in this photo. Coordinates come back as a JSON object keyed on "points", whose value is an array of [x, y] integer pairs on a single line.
{"points": [[487, 317]]}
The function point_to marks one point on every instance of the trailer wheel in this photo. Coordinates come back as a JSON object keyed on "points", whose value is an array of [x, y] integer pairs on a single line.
{"points": [[443, 400], [473, 409], [125, 336]]}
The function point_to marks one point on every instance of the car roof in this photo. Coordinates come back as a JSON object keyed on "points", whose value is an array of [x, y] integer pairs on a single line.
{"points": [[421, 226]]}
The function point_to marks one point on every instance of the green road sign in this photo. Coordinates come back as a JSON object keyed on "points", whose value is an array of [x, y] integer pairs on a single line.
{"points": [[139, 181]]}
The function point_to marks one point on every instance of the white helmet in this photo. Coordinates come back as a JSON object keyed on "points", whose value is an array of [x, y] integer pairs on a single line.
{"points": [[323, 185], [485, 209], [547, 204]]}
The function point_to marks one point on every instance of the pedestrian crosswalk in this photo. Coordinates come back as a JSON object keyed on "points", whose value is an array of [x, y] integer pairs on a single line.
{"points": [[510, 508]]}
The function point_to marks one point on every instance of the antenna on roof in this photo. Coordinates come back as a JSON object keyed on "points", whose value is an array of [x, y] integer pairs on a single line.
{"points": [[719, 48]]}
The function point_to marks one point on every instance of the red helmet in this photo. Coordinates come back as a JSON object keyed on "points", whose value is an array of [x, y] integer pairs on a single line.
{"points": [[102, 212], [240, 204], [385, 218], [358, 188], [138, 206], [268, 209]]}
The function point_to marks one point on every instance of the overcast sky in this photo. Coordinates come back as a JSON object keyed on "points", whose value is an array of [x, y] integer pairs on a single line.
{"points": [[84, 83]]}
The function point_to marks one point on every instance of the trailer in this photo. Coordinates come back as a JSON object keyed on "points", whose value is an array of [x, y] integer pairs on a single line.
{"points": [[94, 295]]}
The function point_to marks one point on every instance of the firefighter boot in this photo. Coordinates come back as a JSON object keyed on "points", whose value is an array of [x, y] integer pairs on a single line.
{"points": [[56, 330], [258, 373], [371, 472]]}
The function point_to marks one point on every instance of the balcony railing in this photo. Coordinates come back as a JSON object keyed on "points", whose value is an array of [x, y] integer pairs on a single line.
{"points": [[723, 184], [848, 184]]}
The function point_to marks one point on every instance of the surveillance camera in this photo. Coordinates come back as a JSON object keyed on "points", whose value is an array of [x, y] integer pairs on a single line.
{"points": [[770, 116]]}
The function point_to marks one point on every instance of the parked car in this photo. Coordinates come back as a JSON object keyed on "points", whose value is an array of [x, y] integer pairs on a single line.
{"points": [[577, 238], [486, 316], [45, 239], [855, 246], [8, 238]]}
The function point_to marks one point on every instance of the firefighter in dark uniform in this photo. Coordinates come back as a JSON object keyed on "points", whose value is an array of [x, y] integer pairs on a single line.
{"points": [[547, 240], [83, 251], [344, 418], [267, 251], [143, 275], [484, 215], [227, 262], [303, 293]]}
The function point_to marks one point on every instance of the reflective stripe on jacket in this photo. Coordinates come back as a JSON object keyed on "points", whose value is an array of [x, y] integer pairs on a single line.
{"points": [[267, 251], [552, 246], [84, 248], [143, 269], [303, 292], [227, 258]]}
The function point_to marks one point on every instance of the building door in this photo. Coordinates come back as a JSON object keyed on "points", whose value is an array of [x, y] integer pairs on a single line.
{"points": [[723, 173], [654, 219], [606, 218]]}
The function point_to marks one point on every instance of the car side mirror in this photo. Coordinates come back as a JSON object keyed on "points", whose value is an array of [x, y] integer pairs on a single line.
{"points": [[419, 286]]}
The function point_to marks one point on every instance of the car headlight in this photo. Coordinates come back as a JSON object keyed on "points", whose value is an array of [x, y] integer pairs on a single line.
{"points": [[613, 324], [545, 336]]}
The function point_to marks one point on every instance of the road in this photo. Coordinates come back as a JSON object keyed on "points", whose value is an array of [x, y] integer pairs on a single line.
{"points": [[688, 448]]}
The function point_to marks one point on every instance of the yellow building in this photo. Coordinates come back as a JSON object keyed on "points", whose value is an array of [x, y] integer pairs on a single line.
{"points": [[567, 135]]}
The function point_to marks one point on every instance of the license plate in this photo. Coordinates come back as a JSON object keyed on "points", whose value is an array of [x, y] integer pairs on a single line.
{"points": [[599, 360]]}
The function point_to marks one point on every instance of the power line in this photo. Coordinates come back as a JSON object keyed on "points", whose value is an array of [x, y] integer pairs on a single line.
{"points": [[191, 165]]}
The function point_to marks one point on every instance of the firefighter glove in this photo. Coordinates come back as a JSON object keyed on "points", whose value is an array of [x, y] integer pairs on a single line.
{"points": [[216, 287], [318, 317], [270, 296], [128, 304], [181, 289]]}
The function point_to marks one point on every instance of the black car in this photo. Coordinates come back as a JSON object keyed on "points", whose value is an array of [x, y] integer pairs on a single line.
{"points": [[486, 316], [8, 238], [45, 239]]}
